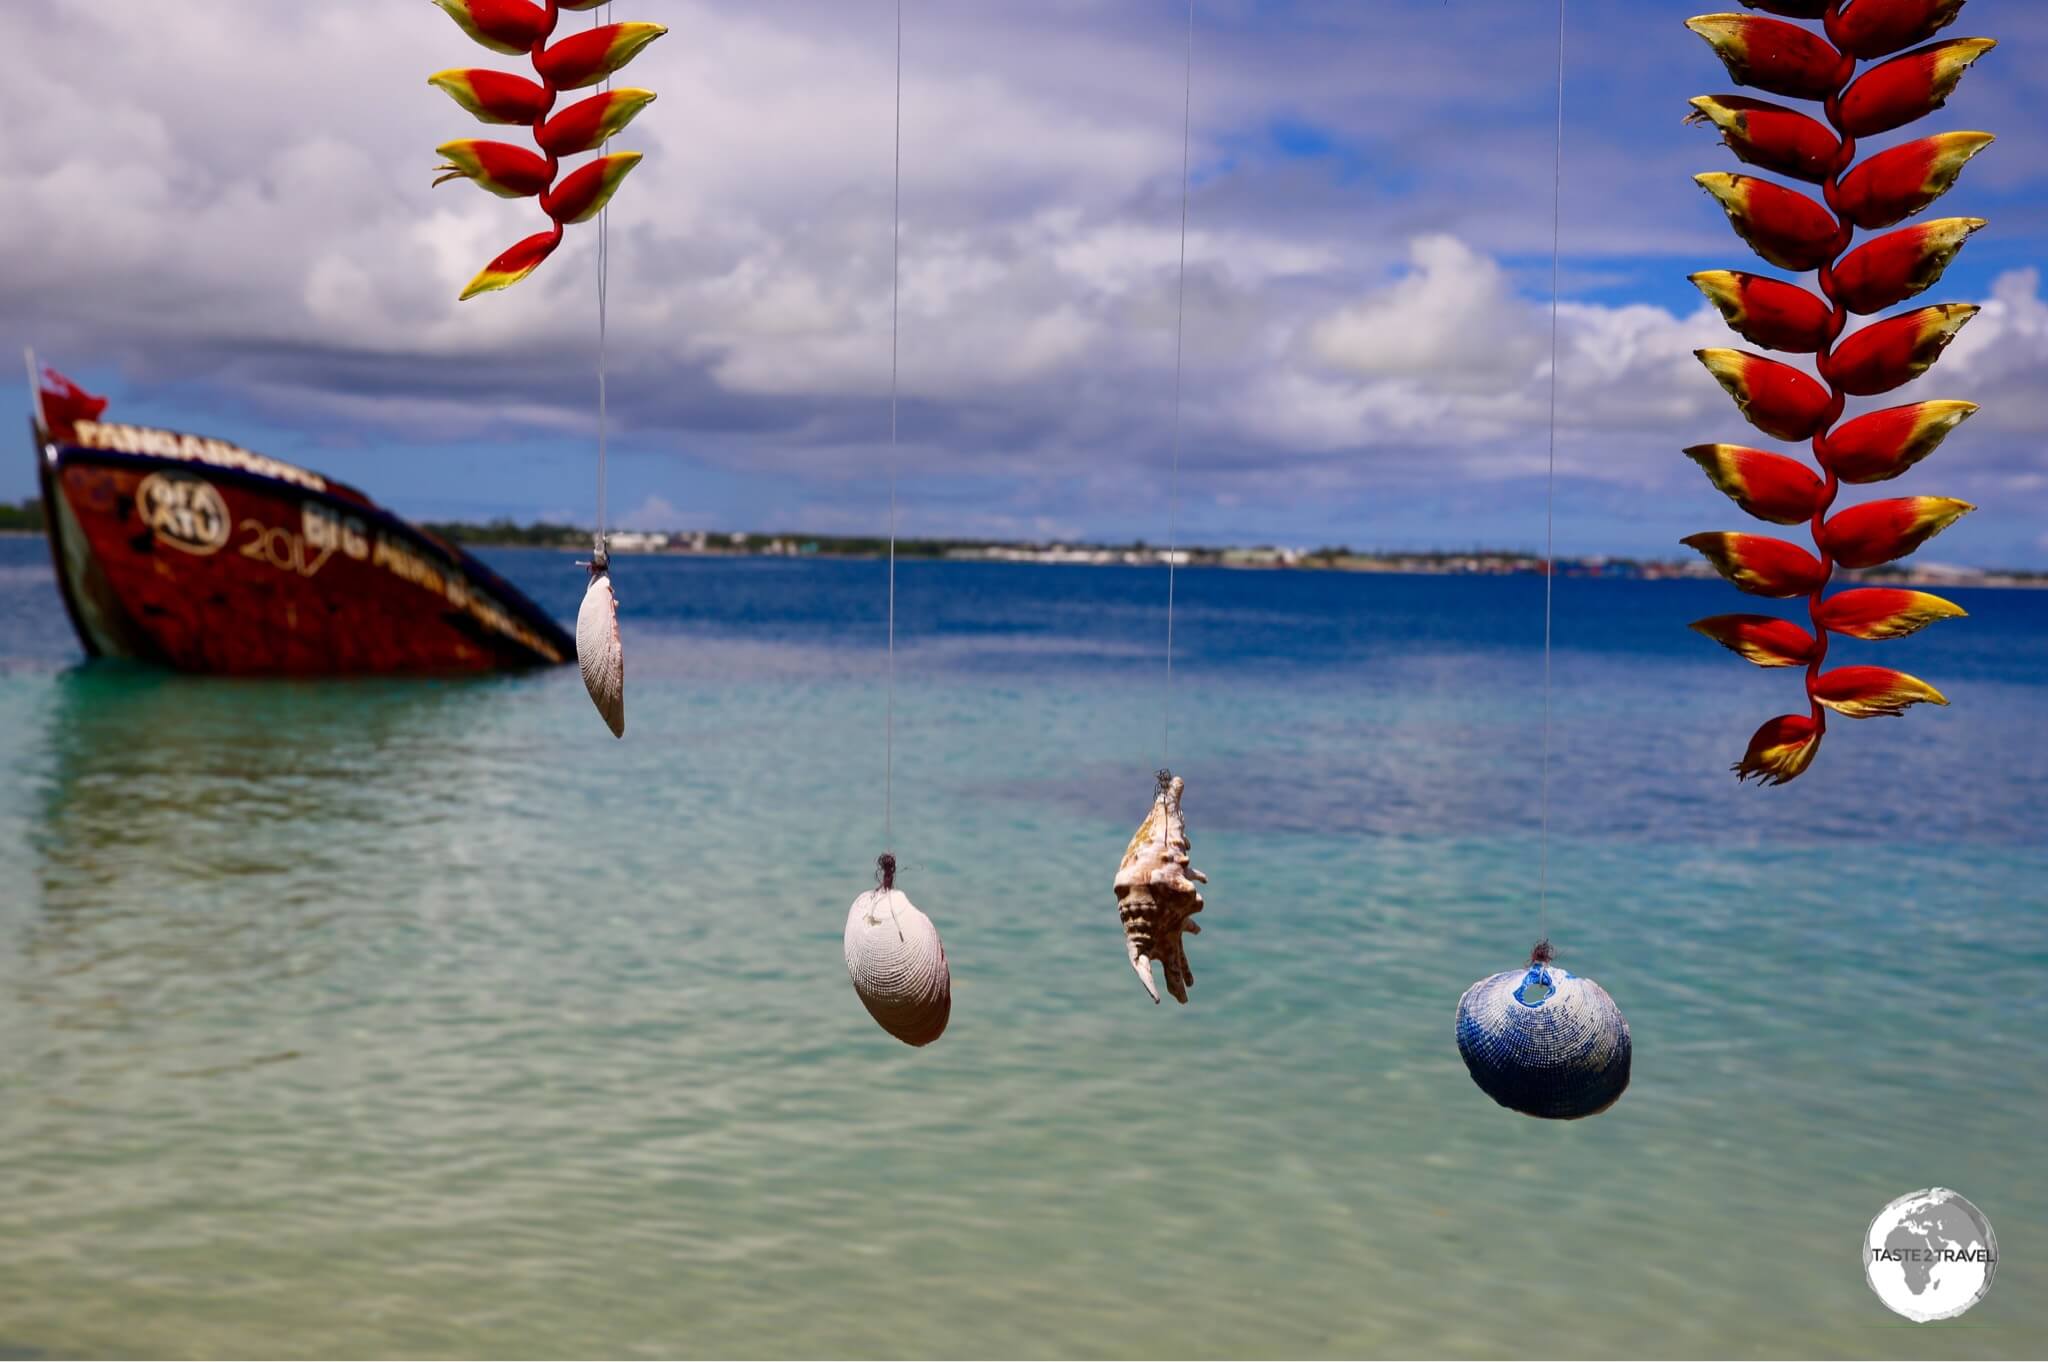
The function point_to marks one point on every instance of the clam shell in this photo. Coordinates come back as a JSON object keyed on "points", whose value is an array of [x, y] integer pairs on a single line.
{"points": [[1156, 896], [1560, 1056], [598, 651], [898, 966]]}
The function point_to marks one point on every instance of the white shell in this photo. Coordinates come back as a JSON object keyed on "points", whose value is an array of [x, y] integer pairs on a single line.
{"points": [[598, 651], [1156, 895], [898, 966]]}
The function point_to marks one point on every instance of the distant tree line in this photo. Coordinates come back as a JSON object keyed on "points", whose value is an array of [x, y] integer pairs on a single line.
{"points": [[27, 516], [540, 534]]}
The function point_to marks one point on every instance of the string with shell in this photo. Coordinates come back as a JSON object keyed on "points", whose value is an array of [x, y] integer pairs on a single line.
{"points": [[1541, 1040], [893, 952], [1155, 886]]}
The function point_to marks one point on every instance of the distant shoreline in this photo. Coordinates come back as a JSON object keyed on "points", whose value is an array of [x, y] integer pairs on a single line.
{"points": [[1478, 563]]}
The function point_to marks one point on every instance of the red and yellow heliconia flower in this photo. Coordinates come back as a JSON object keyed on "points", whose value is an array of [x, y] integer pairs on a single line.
{"points": [[588, 57], [1759, 564], [1907, 87], [1781, 750], [1880, 531], [585, 125], [1782, 58], [1886, 354], [1782, 225], [1882, 612], [582, 195], [515, 263], [1765, 640], [1884, 444], [1770, 135], [1768, 486], [509, 172], [1867, 692], [1893, 185], [1869, 29], [1796, 232], [1776, 398], [582, 59], [1899, 265], [495, 96], [1765, 311], [508, 26]]}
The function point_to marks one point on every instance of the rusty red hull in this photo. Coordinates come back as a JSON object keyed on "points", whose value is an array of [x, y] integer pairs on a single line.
{"points": [[201, 556]]}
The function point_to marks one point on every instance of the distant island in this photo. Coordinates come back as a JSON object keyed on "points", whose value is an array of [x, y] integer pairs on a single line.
{"points": [[1341, 558], [28, 517]]}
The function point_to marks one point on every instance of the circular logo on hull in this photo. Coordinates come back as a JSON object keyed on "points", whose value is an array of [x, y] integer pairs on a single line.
{"points": [[1930, 1254], [185, 512]]}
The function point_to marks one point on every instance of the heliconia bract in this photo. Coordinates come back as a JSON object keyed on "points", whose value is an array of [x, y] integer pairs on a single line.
{"points": [[1782, 225], [1870, 29], [1883, 444], [1767, 312], [588, 57], [1798, 232], [523, 28], [509, 172], [1894, 185], [1907, 87], [1876, 612], [584, 125], [1769, 135], [1763, 639], [1768, 486], [1899, 265]]}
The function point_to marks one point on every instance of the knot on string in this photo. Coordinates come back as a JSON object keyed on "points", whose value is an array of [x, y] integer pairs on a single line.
{"points": [[1163, 779], [885, 871], [600, 560], [1542, 953]]}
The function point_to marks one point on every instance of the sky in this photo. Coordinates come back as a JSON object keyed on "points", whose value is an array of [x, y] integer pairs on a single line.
{"points": [[222, 215]]}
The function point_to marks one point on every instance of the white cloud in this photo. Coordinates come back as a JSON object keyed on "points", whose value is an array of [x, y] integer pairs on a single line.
{"points": [[656, 512], [240, 193]]}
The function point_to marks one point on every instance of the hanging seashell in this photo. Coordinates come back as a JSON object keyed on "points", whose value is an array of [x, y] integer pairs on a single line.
{"points": [[1156, 895], [898, 963], [597, 644], [1543, 1041]]}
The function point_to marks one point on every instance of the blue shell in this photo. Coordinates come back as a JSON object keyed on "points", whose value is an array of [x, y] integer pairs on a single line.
{"points": [[1544, 1042]]}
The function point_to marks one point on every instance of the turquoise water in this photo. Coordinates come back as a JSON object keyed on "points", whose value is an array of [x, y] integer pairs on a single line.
{"points": [[423, 1018]]}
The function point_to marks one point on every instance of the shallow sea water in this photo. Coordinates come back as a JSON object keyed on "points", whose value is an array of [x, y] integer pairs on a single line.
{"points": [[379, 1018]]}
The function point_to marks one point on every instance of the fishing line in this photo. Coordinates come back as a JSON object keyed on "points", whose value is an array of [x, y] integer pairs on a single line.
{"points": [[1550, 481], [895, 297], [1179, 319], [604, 254]]}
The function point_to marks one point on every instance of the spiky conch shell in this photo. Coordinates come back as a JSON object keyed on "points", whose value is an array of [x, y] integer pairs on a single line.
{"points": [[598, 651], [1156, 896], [898, 966], [1560, 1056]]}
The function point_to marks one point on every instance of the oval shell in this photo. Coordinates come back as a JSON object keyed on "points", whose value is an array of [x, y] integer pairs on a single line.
{"points": [[598, 651], [1559, 1054], [898, 966]]}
